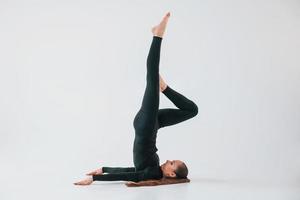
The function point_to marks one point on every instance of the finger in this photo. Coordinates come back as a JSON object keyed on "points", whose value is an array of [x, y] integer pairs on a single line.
{"points": [[80, 183], [91, 173]]}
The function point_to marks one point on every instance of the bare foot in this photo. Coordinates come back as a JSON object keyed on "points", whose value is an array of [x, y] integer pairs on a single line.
{"points": [[162, 84], [159, 29]]}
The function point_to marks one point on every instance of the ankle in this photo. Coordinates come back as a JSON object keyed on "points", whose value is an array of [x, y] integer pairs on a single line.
{"points": [[158, 36], [164, 88]]}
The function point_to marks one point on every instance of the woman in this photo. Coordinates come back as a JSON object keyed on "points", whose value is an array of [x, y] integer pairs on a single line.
{"points": [[147, 122]]}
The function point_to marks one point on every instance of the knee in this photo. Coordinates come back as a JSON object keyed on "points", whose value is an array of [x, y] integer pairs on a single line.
{"points": [[194, 109]]}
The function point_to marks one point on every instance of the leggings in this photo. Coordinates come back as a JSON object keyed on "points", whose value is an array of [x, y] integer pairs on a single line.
{"points": [[150, 118]]}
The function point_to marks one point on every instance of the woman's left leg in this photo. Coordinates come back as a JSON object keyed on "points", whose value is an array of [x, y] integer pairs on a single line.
{"points": [[171, 116]]}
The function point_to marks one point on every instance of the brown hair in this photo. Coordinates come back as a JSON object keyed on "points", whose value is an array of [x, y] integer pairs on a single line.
{"points": [[153, 182], [181, 171]]}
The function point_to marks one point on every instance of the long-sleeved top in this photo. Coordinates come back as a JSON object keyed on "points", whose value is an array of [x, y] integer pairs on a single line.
{"points": [[128, 174]]}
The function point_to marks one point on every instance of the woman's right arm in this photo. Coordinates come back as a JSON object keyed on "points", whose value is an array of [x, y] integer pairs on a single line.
{"points": [[117, 169]]}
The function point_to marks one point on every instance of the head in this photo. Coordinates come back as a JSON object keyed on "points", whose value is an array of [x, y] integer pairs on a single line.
{"points": [[174, 169]]}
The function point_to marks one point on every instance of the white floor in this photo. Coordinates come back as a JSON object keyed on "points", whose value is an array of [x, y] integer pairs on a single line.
{"points": [[199, 188]]}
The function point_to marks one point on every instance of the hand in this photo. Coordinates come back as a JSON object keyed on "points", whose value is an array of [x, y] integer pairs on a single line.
{"points": [[86, 181], [95, 172]]}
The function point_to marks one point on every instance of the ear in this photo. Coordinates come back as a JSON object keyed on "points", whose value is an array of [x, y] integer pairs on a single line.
{"points": [[172, 174]]}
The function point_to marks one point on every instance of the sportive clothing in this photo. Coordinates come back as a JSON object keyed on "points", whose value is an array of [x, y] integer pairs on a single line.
{"points": [[146, 123]]}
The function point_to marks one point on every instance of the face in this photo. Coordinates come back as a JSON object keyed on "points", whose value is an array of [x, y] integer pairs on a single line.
{"points": [[169, 167]]}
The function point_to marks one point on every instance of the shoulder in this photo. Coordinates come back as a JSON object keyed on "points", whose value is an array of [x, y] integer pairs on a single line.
{"points": [[153, 172]]}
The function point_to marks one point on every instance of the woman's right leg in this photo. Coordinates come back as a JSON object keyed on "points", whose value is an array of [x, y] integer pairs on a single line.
{"points": [[147, 115]]}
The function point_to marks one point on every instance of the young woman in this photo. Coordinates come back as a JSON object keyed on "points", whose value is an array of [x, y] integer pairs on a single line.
{"points": [[147, 122]]}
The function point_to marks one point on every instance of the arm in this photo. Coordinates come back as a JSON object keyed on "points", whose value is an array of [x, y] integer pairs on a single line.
{"points": [[121, 176], [111, 170], [146, 174], [117, 169], [126, 176]]}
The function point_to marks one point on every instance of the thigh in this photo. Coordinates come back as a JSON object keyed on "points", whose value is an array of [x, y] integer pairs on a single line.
{"points": [[146, 121], [172, 116]]}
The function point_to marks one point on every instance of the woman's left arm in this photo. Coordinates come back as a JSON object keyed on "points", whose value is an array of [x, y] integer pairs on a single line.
{"points": [[117, 169]]}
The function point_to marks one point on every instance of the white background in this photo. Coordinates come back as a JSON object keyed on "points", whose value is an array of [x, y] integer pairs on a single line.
{"points": [[72, 77]]}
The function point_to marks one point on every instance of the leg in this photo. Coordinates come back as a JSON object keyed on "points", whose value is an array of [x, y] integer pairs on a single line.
{"points": [[170, 116], [150, 101], [147, 115], [146, 118]]}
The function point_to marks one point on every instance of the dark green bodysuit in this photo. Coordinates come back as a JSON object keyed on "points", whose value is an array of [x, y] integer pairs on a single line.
{"points": [[147, 122]]}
